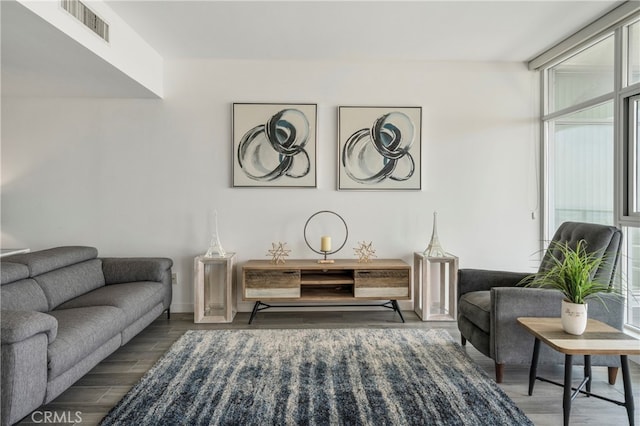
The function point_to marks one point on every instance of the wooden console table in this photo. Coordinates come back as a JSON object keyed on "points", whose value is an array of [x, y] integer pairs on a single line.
{"points": [[310, 281], [598, 339]]}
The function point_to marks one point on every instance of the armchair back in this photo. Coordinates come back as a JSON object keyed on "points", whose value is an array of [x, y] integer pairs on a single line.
{"points": [[606, 240]]}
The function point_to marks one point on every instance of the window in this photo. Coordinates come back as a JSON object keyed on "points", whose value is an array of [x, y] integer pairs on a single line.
{"points": [[583, 161], [633, 53], [633, 147], [583, 76], [580, 137], [591, 131], [631, 255], [631, 272]]}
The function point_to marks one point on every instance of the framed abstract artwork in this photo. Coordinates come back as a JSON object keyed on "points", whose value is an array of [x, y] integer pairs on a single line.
{"points": [[274, 145], [379, 148]]}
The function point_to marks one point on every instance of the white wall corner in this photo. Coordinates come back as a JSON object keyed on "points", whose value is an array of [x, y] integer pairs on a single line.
{"points": [[126, 50]]}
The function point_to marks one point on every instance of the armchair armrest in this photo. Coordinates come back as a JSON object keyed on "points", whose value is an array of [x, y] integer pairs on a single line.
{"points": [[483, 280], [118, 270], [17, 326], [509, 342]]}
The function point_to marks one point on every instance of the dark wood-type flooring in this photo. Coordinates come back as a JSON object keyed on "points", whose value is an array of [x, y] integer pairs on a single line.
{"points": [[97, 392]]}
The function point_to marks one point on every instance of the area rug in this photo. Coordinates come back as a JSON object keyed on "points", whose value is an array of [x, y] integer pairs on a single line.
{"points": [[316, 377]]}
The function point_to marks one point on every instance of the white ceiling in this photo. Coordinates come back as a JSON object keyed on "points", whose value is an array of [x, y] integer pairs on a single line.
{"points": [[513, 30], [36, 61]]}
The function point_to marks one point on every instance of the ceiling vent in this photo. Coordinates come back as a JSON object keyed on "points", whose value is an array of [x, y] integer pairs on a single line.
{"points": [[85, 15]]}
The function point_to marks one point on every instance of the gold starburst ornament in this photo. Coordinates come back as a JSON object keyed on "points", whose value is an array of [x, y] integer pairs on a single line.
{"points": [[278, 253], [365, 252]]}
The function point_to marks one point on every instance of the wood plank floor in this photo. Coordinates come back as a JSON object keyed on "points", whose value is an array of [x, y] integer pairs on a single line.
{"points": [[97, 392]]}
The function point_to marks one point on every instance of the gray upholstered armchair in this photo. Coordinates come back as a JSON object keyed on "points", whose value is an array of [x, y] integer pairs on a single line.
{"points": [[490, 301]]}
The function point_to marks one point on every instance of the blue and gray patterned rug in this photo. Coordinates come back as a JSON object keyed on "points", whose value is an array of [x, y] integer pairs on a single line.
{"points": [[317, 376]]}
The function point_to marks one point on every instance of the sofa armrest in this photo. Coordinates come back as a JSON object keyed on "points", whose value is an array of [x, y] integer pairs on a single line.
{"points": [[484, 280], [17, 326], [119, 270], [26, 335]]}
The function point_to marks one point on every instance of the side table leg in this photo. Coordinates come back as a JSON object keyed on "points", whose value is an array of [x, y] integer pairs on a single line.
{"points": [[587, 371], [566, 400], [628, 394], [533, 370]]}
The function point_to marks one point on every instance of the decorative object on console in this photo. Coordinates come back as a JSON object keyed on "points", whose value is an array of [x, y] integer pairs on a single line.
{"points": [[325, 221], [379, 147], [278, 252], [274, 145], [365, 251], [434, 249], [215, 248], [325, 247]]}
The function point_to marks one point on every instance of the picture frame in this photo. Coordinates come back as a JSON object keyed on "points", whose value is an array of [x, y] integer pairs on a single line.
{"points": [[379, 148], [274, 145]]}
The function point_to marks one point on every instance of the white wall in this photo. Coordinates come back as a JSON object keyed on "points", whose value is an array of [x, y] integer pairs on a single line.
{"points": [[126, 50], [142, 177]]}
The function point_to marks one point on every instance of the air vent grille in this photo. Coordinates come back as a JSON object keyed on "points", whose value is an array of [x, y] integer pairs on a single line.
{"points": [[85, 15]]}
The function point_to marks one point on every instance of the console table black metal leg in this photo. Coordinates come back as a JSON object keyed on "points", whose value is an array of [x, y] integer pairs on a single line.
{"points": [[396, 308], [254, 311], [566, 401], [533, 370], [628, 394]]}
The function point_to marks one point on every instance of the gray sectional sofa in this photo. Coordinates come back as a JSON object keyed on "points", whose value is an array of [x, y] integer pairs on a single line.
{"points": [[63, 311]]}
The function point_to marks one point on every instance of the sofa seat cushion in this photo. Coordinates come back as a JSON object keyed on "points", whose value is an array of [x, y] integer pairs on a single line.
{"points": [[134, 299], [475, 307], [80, 332]]}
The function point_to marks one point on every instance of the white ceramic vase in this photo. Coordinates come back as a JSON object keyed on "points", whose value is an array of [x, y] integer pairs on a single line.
{"points": [[574, 317]]}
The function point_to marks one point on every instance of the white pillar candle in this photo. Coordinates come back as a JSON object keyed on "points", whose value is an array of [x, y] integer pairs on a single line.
{"points": [[325, 244]]}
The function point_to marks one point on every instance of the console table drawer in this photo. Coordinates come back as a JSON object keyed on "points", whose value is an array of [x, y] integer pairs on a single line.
{"points": [[385, 284], [263, 284]]}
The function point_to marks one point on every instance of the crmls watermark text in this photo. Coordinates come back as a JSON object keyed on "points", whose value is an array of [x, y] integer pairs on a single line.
{"points": [[56, 417]]}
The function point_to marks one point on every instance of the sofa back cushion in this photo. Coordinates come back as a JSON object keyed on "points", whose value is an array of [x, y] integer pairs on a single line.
{"points": [[18, 293], [10, 272], [42, 261], [71, 281], [23, 295]]}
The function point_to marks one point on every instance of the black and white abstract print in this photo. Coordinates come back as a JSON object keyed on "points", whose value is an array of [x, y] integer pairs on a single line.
{"points": [[277, 151], [383, 155]]}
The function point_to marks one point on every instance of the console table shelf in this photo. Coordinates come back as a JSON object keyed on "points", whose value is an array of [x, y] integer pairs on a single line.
{"points": [[341, 281]]}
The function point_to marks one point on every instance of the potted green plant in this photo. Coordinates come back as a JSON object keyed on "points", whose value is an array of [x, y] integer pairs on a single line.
{"points": [[572, 272]]}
